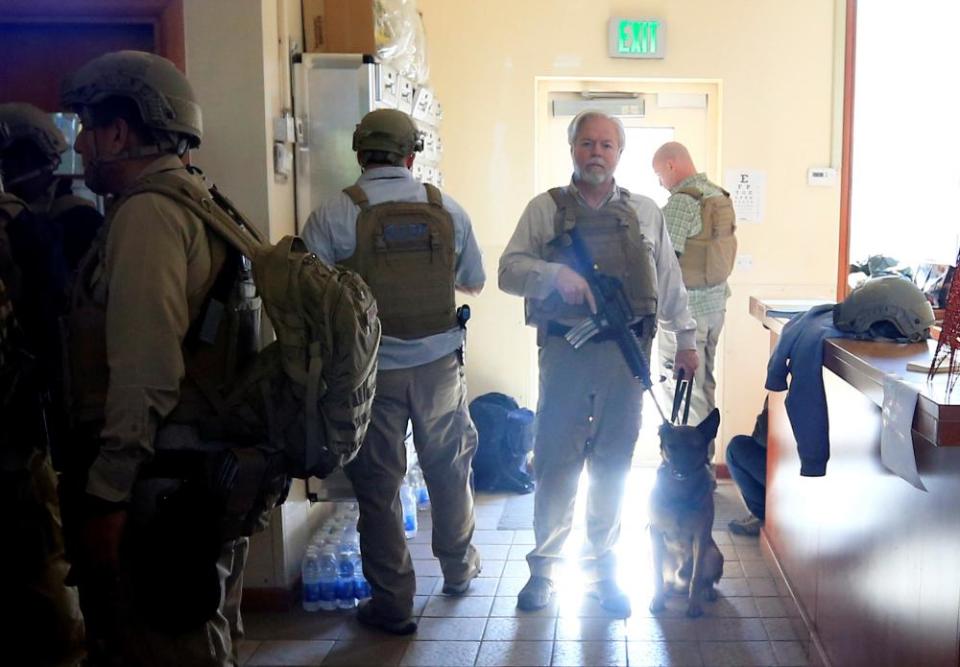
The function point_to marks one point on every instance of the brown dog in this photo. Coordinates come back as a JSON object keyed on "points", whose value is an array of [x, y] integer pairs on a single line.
{"points": [[685, 557]]}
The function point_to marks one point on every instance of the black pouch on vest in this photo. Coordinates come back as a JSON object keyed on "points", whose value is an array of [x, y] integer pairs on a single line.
{"points": [[246, 483]]}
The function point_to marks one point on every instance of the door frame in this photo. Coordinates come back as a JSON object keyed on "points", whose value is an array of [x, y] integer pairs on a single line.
{"points": [[166, 17]]}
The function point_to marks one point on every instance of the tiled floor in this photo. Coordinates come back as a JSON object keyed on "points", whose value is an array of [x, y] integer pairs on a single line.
{"points": [[754, 621]]}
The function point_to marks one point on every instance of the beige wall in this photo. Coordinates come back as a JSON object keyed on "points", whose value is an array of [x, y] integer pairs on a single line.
{"points": [[775, 63]]}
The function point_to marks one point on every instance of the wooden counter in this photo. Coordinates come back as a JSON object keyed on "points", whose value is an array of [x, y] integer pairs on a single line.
{"points": [[864, 364], [873, 562]]}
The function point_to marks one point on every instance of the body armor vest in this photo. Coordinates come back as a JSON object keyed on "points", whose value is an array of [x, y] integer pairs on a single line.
{"points": [[405, 252], [616, 245], [223, 334], [708, 257]]}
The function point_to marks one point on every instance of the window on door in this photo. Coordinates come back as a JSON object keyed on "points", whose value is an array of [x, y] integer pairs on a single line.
{"points": [[635, 172]]}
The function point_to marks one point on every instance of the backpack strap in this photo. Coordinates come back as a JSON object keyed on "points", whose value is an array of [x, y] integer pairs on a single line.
{"points": [[692, 192], [434, 196], [357, 196], [212, 207]]}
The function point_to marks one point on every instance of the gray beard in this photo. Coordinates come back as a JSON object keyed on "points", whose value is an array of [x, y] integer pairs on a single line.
{"points": [[591, 176]]}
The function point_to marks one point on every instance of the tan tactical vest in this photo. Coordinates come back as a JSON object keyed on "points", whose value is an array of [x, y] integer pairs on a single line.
{"points": [[211, 349], [406, 254], [708, 257], [618, 248]]}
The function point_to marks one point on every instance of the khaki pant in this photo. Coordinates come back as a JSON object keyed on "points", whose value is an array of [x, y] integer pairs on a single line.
{"points": [[703, 398], [43, 622], [589, 413], [216, 643], [434, 397]]}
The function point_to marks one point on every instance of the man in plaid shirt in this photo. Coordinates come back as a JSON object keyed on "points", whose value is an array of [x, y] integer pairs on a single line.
{"points": [[682, 215]]}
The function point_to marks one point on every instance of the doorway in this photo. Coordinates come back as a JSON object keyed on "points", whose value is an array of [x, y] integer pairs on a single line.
{"points": [[653, 112]]}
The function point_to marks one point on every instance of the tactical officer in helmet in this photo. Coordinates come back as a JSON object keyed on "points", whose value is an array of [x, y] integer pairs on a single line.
{"points": [[28, 159], [589, 410], [172, 599], [40, 221], [414, 246]]}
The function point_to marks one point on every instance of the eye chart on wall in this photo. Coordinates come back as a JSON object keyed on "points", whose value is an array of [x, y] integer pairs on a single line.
{"points": [[748, 191]]}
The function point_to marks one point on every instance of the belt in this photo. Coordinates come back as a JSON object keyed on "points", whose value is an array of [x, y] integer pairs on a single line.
{"points": [[638, 329]]}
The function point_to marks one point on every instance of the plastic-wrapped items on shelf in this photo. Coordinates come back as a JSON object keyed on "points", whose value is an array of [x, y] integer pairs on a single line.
{"points": [[401, 41]]}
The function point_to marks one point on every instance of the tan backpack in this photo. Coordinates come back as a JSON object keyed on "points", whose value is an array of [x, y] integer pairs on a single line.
{"points": [[310, 392], [708, 257]]}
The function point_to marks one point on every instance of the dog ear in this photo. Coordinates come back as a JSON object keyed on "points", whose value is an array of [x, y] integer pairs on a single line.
{"points": [[708, 427]]}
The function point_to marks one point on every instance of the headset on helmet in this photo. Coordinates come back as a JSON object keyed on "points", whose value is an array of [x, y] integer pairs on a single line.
{"points": [[888, 299], [25, 121], [387, 130], [161, 92]]}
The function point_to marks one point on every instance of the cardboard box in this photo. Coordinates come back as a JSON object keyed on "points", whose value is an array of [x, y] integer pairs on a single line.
{"points": [[339, 26]]}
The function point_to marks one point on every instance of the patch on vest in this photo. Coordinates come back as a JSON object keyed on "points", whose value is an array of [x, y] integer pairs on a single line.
{"points": [[406, 234]]}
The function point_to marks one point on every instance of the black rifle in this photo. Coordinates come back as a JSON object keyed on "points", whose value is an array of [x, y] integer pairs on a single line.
{"points": [[614, 316]]}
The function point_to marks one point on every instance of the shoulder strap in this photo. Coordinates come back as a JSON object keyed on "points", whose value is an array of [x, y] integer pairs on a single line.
{"points": [[566, 217], [210, 206], [434, 196], [559, 196], [691, 192], [357, 196], [10, 207]]}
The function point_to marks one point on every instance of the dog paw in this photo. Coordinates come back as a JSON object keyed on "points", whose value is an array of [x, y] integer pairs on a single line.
{"points": [[694, 610], [657, 604]]}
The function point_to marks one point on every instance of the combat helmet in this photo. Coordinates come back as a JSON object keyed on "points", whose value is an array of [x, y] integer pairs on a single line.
{"points": [[887, 300], [164, 96], [387, 130], [21, 121]]}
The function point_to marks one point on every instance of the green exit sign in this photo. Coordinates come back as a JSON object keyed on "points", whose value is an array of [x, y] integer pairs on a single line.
{"points": [[636, 38]]}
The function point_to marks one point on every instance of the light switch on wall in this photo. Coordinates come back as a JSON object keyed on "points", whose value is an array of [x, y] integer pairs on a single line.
{"points": [[821, 176], [744, 262]]}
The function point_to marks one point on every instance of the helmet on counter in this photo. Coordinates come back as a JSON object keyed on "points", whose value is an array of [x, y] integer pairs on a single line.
{"points": [[879, 303], [388, 130]]}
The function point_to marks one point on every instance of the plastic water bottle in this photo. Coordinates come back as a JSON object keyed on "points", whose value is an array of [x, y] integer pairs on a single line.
{"points": [[345, 578], [310, 571], [361, 587], [420, 486], [328, 579], [409, 503]]}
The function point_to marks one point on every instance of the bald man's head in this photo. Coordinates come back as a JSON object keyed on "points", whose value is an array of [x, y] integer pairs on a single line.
{"points": [[672, 164]]}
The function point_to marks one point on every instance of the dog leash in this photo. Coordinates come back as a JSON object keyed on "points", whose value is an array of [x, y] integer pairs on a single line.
{"points": [[682, 392]]}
